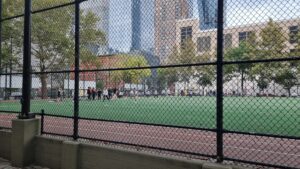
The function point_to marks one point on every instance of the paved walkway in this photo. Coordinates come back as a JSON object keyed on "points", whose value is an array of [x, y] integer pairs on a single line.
{"points": [[4, 164]]}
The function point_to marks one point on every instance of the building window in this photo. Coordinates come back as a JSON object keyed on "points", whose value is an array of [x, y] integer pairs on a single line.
{"points": [[203, 44], [186, 33], [228, 41], [244, 36], [294, 30]]}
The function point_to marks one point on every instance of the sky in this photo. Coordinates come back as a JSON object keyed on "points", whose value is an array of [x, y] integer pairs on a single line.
{"points": [[242, 12], [238, 12]]}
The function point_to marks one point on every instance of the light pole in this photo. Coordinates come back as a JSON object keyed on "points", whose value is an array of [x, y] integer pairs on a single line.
{"points": [[5, 85]]}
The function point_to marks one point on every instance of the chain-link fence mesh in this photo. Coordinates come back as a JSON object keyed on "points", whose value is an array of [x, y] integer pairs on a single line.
{"points": [[148, 70]]}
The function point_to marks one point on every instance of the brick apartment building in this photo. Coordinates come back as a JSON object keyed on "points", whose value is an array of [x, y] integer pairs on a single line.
{"points": [[106, 62]]}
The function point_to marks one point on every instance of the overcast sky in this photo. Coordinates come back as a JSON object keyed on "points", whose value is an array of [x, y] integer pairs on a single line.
{"points": [[241, 12], [238, 12]]}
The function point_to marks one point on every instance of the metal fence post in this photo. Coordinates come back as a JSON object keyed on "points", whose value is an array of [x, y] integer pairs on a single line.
{"points": [[0, 42], [26, 87], [220, 81], [77, 57], [42, 120]]}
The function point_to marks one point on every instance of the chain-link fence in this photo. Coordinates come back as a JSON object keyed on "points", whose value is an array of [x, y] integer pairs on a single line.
{"points": [[201, 78]]}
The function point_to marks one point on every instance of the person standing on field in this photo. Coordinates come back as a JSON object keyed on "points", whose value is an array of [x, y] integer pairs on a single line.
{"points": [[89, 93], [105, 94], [59, 96], [99, 94], [94, 92]]}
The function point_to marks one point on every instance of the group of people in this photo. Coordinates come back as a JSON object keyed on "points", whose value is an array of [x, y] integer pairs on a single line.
{"points": [[93, 92]]}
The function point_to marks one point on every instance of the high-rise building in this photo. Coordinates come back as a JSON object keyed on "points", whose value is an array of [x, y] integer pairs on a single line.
{"points": [[167, 12], [131, 25], [208, 13], [136, 24]]}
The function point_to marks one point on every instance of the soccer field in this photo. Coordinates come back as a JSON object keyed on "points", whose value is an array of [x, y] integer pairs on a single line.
{"points": [[280, 116]]}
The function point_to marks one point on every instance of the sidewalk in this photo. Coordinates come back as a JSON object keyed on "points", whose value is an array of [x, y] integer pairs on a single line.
{"points": [[4, 164]]}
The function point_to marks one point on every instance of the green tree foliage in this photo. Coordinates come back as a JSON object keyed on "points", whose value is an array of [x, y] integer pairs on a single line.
{"points": [[166, 78], [261, 75], [186, 55], [286, 76], [296, 53], [53, 37], [205, 75], [271, 45], [11, 33], [12, 8], [132, 75], [100, 85], [245, 51]]}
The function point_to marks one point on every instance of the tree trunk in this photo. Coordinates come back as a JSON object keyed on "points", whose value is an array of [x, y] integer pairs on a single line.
{"points": [[274, 89], [242, 83], [289, 91], [253, 87], [203, 88], [43, 79]]}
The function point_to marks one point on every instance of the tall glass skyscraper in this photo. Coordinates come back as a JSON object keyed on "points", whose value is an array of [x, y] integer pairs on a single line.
{"points": [[136, 24], [208, 13], [131, 23]]}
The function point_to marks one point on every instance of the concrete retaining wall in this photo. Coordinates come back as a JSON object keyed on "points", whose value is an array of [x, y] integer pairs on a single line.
{"points": [[5, 144], [60, 154], [95, 157], [48, 152]]}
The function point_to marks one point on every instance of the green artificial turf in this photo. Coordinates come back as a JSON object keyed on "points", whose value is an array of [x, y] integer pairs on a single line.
{"points": [[280, 116]]}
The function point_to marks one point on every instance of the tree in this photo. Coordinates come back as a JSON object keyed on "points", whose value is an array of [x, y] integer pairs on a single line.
{"points": [[166, 77], [187, 55], [205, 75], [273, 41], [162, 79], [271, 45], [11, 33], [133, 75], [286, 76], [245, 51], [296, 53], [100, 85], [261, 75], [53, 38]]}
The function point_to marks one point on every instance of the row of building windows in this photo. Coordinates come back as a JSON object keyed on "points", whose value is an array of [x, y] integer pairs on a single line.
{"points": [[294, 30], [204, 43], [186, 33]]}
